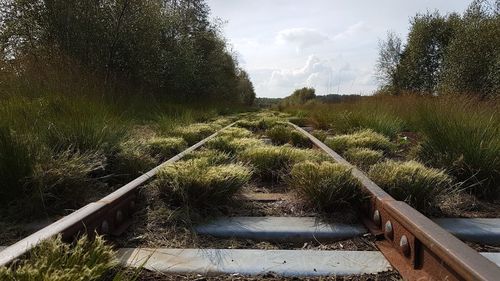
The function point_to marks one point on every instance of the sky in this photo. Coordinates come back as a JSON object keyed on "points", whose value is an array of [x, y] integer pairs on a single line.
{"points": [[330, 45]]}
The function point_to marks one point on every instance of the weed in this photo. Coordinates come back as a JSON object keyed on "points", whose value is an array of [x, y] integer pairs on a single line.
{"points": [[327, 185], [165, 148], [411, 181], [363, 138], [58, 261], [363, 157], [195, 132], [196, 183], [320, 135], [282, 134], [231, 145], [272, 162]]}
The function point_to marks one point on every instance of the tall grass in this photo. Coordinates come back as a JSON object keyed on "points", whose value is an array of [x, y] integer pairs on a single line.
{"points": [[458, 133]]}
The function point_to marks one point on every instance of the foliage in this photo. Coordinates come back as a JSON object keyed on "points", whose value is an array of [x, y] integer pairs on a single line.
{"points": [[412, 182], [273, 162], [363, 157], [196, 183], [57, 261], [453, 54], [165, 148], [299, 96], [326, 185], [195, 132], [282, 134], [363, 138], [167, 48]]}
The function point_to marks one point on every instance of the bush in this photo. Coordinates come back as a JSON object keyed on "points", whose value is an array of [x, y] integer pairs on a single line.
{"points": [[165, 148], [363, 157], [282, 134], [196, 183], [411, 181], [327, 185], [57, 261], [363, 138], [195, 132], [272, 162]]}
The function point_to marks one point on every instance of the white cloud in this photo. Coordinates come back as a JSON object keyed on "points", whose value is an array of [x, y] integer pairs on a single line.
{"points": [[359, 27], [301, 37]]}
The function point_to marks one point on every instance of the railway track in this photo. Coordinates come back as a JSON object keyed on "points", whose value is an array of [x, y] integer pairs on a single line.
{"points": [[417, 247]]}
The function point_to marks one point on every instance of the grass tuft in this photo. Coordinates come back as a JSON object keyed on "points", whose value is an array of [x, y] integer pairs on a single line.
{"points": [[195, 132], [363, 157], [320, 135], [196, 183], [412, 182], [282, 134], [363, 138], [327, 185], [230, 145], [212, 156], [165, 148], [57, 261], [273, 162], [235, 132]]}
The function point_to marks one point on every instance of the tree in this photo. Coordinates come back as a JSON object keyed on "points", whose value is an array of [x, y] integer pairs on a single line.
{"points": [[388, 59]]}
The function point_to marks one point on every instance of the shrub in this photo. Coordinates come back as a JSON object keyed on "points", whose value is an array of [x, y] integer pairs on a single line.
{"points": [[57, 261], [195, 132], [363, 157], [282, 134], [363, 138], [165, 148], [327, 185], [230, 145], [411, 181], [271, 162], [196, 183]]}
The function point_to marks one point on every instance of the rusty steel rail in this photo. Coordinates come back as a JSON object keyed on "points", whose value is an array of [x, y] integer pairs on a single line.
{"points": [[416, 246], [107, 216]]}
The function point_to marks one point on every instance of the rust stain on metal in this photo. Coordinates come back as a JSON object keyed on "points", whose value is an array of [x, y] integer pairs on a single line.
{"points": [[416, 246]]}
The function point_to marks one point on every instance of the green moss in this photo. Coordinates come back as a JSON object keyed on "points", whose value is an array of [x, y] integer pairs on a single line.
{"points": [[363, 157], [411, 181], [197, 183], [327, 185], [363, 138], [57, 261]]}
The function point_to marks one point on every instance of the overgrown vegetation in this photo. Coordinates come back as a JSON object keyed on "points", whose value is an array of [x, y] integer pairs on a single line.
{"points": [[283, 134], [363, 138], [198, 184], [58, 261], [411, 182], [363, 157], [449, 54], [326, 185]]}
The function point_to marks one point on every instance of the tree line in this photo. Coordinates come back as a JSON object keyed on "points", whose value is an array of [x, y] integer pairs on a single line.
{"points": [[443, 54], [162, 48]]}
